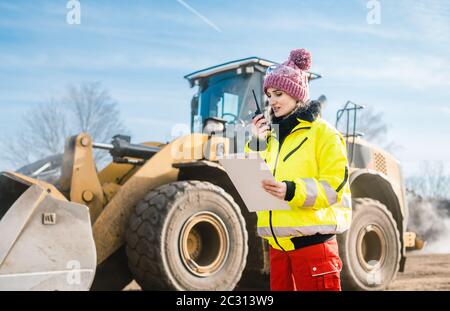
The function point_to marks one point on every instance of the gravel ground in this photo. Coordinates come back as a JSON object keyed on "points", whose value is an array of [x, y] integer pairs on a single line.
{"points": [[423, 272]]}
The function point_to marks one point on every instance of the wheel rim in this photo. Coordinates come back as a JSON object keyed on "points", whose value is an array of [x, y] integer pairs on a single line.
{"points": [[204, 244], [371, 247]]}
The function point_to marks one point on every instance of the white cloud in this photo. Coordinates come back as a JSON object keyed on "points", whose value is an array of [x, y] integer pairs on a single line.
{"points": [[431, 18], [417, 72], [148, 129], [360, 29], [445, 109], [139, 121], [310, 21], [103, 60], [406, 20]]}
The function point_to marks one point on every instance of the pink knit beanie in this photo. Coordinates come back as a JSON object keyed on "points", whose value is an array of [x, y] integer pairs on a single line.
{"points": [[291, 76]]}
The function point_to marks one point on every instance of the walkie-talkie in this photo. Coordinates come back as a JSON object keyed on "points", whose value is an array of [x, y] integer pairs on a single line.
{"points": [[258, 110]]}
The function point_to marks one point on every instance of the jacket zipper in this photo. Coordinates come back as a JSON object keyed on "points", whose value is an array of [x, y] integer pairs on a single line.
{"points": [[344, 181], [295, 149], [270, 212], [300, 128], [274, 171]]}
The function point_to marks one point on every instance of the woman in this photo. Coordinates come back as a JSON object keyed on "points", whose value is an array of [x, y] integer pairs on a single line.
{"points": [[308, 159]]}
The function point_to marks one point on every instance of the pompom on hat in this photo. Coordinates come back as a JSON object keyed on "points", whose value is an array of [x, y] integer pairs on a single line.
{"points": [[291, 76]]}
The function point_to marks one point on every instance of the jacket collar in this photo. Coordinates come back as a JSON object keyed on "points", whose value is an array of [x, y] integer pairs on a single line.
{"points": [[300, 118]]}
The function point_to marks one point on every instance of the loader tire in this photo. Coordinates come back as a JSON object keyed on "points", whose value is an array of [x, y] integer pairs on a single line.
{"points": [[371, 249], [187, 235]]}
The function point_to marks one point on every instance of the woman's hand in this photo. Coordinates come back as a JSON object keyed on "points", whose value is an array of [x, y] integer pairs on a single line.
{"points": [[275, 188], [260, 128]]}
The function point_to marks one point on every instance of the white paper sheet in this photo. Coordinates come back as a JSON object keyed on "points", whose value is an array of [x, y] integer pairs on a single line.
{"points": [[247, 171]]}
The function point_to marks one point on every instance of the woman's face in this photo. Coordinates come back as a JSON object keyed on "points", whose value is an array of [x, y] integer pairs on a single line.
{"points": [[282, 104]]}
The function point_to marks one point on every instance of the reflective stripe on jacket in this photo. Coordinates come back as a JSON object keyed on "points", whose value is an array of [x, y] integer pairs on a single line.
{"points": [[314, 157]]}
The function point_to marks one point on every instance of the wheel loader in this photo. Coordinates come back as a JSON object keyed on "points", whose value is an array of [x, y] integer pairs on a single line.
{"points": [[168, 215]]}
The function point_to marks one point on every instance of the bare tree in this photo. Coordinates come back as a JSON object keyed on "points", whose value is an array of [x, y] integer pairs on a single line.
{"points": [[44, 128], [428, 196], [94, 111], [372, 124], [431, 182]]}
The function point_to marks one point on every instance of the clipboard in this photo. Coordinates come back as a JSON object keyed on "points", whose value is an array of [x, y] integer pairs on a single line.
{"points": [[247, 171]]}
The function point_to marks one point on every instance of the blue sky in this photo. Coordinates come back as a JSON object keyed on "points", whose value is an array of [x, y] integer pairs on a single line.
{"points": [[140, 51]]}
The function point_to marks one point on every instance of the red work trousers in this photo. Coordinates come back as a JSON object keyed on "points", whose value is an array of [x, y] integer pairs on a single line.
{"points": [[312, 268]]}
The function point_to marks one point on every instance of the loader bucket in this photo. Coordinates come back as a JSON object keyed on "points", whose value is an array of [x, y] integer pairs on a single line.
{"points": [[46, 242]]}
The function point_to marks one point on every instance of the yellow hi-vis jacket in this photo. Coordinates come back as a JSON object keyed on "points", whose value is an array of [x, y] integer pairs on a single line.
{"points": [[314, 157]]}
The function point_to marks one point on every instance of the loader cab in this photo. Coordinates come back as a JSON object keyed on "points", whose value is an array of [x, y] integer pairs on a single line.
{"points": [[224, 93], [224, 98]]}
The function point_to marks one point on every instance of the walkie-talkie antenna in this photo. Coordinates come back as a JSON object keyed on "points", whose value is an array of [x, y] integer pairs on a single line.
{"points": [[258, 110]]}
